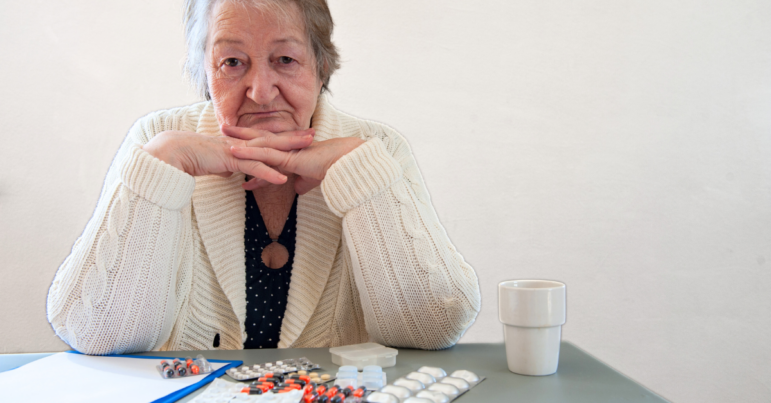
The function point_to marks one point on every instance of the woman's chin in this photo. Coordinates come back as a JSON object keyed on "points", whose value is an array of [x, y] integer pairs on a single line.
{"points": [[272, 124]]}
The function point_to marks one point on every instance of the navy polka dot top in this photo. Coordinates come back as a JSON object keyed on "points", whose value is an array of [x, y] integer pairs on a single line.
{"points": [[266, 288]]}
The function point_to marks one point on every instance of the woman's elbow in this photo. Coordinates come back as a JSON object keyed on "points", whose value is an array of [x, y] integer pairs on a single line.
{"points": [[96, 342], [459, 316]]}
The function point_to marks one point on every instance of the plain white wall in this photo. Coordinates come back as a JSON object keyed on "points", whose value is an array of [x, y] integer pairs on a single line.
{"points": [[620, 146]]}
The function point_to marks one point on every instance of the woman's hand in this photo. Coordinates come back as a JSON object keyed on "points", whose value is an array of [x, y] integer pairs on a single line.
{"points": [[310, 163], [198, 155]]}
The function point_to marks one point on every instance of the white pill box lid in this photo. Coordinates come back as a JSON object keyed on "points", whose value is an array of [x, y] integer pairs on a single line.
{"points": [[361, 355]]}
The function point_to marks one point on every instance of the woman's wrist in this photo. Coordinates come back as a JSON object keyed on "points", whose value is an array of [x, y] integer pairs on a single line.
{"points": [[360, 174], [164, 148]]}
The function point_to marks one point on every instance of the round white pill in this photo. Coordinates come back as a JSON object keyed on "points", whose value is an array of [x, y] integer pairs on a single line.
{"points": [[459, 383], [434, 396], [399, 391], [436, 372], [381, 397], [450, 390], [469, 376], [423, 377], [410, 384]]}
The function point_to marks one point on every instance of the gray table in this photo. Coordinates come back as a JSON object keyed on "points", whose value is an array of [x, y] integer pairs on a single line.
{"points": [[581, 378]]}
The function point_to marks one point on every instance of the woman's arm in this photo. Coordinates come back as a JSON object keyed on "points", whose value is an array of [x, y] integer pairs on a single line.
{"points": [[416, 290], [116, 291]]}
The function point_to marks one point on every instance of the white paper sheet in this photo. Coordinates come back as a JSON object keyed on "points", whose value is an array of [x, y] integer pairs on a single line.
{"points": [[67, 377]]}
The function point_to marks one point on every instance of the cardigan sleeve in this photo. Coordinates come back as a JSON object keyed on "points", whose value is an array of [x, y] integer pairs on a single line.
{"points": [[116, 291], [415, 288]]}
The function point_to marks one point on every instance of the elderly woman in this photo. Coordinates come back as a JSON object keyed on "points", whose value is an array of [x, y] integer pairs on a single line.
{"points": [[200, 240]]}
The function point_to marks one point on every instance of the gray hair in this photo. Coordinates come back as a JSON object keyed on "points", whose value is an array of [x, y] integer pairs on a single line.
{"points": [[318, 27]]}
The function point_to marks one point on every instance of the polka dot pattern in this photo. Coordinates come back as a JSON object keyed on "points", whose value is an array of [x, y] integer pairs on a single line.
{"points": [[266, 288]]}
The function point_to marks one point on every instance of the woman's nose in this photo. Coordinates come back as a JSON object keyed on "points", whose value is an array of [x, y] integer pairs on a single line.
{"points": [[263, 85]]}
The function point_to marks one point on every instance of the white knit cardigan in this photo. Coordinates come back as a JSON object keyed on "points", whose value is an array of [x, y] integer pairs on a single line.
{"points": [[160, 265]]}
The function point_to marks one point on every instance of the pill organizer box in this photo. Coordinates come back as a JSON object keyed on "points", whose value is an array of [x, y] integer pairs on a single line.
{"points": [[361, 355]]}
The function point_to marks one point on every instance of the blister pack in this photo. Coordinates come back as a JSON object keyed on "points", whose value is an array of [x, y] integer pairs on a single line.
{"points": [[255, 371], [426, 385], [180, 368]]}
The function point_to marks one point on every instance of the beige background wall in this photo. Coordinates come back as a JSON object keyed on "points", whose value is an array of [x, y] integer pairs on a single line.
{"points": [[620, 146]]}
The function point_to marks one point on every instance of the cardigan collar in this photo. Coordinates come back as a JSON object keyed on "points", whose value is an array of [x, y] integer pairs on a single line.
{"points": [[219, 206]]}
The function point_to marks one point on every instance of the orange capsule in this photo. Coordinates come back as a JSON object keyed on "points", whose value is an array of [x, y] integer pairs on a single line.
{"points": [[359, 392], [178, 368], [192, 367], [265, 386], [295, 381], [332, 391], [252, 390], [168, 372]]}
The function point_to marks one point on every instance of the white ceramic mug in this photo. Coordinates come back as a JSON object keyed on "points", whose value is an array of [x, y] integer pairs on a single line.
{"points": [[532, 313]]}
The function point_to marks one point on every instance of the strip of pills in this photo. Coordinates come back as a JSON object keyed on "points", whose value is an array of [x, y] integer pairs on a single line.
{"points": [[179, 368], [255, 371], [273, 389], [426, 385], [221, 391]]}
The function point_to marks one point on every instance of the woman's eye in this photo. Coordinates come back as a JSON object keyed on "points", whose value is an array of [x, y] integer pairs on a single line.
{"points": [[232, 62], [285, 60]]}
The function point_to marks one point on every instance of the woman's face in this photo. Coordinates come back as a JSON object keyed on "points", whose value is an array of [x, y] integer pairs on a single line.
{"points": [[261, 71]]}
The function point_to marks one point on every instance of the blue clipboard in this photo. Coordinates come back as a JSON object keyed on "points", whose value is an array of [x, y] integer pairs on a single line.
{"points": [[179, 394]]}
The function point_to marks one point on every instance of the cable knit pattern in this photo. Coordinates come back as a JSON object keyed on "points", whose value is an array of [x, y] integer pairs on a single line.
{"points": [[160, 265], [356, 176]]}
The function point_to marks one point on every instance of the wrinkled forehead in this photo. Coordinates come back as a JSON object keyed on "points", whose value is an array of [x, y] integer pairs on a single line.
{"points": [[245, 17]]}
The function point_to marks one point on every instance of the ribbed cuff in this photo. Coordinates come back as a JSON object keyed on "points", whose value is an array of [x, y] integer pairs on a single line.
{"points": [[156, 181], [359, 175]]}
